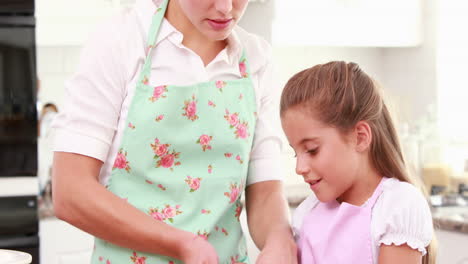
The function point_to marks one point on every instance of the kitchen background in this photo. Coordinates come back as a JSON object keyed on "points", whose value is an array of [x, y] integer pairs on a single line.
{"points": [[416, 49]]}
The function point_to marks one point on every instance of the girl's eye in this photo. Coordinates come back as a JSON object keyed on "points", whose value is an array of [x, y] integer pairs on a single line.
{"points": [[312, 151]]}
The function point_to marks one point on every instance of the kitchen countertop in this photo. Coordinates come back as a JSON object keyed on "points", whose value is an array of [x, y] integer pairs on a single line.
{"points": [[451, 218]]}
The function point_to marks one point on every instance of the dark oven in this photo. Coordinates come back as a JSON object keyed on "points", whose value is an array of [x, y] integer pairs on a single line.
{"points": [[19, 225], [18, 128], [18, 114]]}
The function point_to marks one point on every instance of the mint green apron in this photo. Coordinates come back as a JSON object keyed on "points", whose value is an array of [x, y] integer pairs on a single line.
{"points": [[184, 159]]}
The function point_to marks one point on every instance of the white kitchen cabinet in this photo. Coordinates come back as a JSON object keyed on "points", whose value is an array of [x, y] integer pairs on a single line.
{"points": [[452, 247], [69, 22], [376, 23], [62, 243]]}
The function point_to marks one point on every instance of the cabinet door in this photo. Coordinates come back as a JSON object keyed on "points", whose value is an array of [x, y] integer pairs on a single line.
{"points": [[69, 22], [62, 243], [379, 23]]}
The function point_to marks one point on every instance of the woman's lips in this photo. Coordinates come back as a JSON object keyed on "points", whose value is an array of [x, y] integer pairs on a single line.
{"points": [[219, 24]]}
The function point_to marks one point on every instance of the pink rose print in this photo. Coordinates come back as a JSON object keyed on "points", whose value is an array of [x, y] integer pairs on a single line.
{"points": [[130, 125], [225, 232], [243, 69], [233, 119], [137, 260], [235, 260], [238, 210], [108, 262], [158, 216], [204, 141], [234, 194], [167, 213], [165, 158], [158, 92], [101, 258], [210, 168], [205, 211], [148, 49], [193, 183], [160, 186], [205, 235], [210, 103], [167, 161], [241, 96], [216, 228], [148, 181], [121, 161], [161, 149], [220, 85], [241, 131], [145, 80], [190, 109], [234, 122], [227, 155], [159, 118], [158, 2], [238, 158]]}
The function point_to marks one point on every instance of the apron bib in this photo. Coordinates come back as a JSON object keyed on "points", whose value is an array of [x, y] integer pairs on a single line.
{"points": [[184, 159], [338, 233]]}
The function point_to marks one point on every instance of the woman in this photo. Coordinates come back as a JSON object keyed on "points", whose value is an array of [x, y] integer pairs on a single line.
{"points": [[168, 109]]}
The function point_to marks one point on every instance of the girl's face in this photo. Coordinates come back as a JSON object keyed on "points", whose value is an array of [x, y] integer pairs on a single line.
{"points": [[215, 19], [324, 157]]}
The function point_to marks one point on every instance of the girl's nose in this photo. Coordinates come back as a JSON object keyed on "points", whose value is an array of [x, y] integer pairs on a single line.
{"points": [[223, 6], [301, 166]]}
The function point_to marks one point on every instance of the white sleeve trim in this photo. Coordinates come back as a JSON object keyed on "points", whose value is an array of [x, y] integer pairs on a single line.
{"points": [[69, 141], [402, 216], [266, 169], [400, 239]]}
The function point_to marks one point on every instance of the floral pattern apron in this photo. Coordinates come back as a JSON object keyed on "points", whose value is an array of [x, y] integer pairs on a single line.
{"points": [[184, 159]]}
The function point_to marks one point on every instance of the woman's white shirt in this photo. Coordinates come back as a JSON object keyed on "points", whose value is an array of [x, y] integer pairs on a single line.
{"points": [[400, 215], [98, 95]]}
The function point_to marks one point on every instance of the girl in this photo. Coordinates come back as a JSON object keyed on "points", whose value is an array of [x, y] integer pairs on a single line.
{"points": [[365, 208], [155, 145]]}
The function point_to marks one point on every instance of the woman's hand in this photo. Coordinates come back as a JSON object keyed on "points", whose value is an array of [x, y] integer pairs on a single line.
{"points": [[279, 249], [199, 251]]}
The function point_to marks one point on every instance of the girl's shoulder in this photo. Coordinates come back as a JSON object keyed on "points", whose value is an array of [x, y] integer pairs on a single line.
{"points": [[397, 194], [402, 215]]}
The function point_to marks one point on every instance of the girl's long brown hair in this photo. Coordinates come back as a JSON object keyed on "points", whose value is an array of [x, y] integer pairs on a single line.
{"points": [[341, 95]]}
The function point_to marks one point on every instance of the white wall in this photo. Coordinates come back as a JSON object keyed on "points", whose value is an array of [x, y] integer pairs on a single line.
{"points": [[410, 73], [55, 65]]}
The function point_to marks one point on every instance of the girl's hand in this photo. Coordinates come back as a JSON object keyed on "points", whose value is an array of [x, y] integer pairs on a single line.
{"points": [[278, 251], [199, 251]]}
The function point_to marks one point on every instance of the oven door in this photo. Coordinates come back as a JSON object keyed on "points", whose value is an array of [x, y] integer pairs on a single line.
{"points": [[19, 225], [18, 114], [28, 244], [8, 7]]}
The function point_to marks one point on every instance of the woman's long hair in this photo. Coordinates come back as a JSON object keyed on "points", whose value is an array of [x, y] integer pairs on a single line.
{"points": [[341, 95]]}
